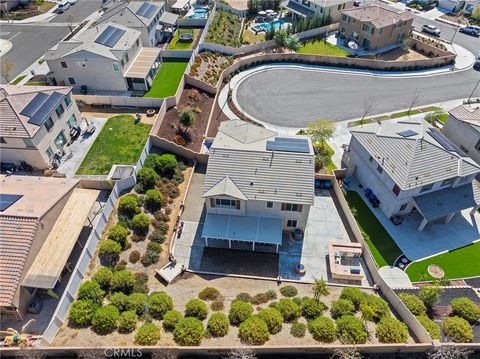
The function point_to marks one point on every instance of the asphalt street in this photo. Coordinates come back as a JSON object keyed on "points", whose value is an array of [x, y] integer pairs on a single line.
{"points": [[78, 12]]}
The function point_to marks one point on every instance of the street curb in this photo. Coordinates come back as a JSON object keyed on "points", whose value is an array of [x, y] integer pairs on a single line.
{"points": [[34, 19], [456, 24]]}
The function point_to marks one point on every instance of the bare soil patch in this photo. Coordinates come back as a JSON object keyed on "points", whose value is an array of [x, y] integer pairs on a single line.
{"points": [[400, 54]]}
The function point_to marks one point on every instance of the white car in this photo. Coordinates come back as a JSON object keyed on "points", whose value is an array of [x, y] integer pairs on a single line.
{"points": [[63, 6], [430, 29], [72, 2]]}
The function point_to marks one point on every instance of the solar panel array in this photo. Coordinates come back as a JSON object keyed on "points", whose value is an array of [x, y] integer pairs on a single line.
{"points": [[35, 104], [110, 36], [146, 10], [41, 106], [6, 200], [408, 133], [445, 142], [285, 144]]}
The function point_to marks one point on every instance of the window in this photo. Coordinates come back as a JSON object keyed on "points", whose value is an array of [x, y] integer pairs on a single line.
{"points": [[396, 189], [68, 100], [447, 182], [63, 64], [367, 28], [354, 35], [426, 188], [60, 140], [222, 202], [59, 110], [28, 142], [292, 223], [292, 207], [72, 121], [346, 18], [379, 169], [2, 140], [71, 81], [48, 124], [116, 68], [269, 204], [49, 152], [339, 7], [402, 208]]}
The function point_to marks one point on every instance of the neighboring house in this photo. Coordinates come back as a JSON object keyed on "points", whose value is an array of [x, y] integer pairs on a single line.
{"points": [[451, 5], [301, 9], [375, 28], [411, 166], [40, 220], [150, 18], [107, 57], [257, 185], [463, 129], [35, 123]]}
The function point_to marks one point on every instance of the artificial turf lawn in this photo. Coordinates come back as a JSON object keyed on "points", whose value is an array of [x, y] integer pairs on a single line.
{"points": [[459, 263], [168, 78], [122, 145], [319, 47], [381, 244], [176, 44]]}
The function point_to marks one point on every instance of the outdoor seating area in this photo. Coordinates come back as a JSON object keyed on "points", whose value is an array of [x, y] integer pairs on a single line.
{"points": [[344, 260], [268, 19]]}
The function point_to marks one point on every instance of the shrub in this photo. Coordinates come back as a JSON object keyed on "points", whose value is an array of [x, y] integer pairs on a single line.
{"points": [[289, 291], [109, 248], [105, 319], [391, 330], [312, 308], [147, 334], [209, 293], [121, 265], [458, 329], [134, 257], [259, 298], [188, 332], [119, 300], [159, 303], [196, 308], [137, 302], [157, 236], [465, 308], [119, 234], [244, 297], [355, 295], [253, 331], [271, 294], [288, 309], [320, 288], [122, 281], [413, 303], [140, 224], [153, 200], [171, 319], [298, 301], [128, 321], [272, 318], [342, 307], [430, 326], [239, 312], [374, 308], [322, 329], [147, 177], [217, 305], [430, 295], [298, 330], [91, 290], [166, 164], [141, 280], [128, 205], [82, 311], [103, 276], [351, 330], [218, 325], [150, 257]]}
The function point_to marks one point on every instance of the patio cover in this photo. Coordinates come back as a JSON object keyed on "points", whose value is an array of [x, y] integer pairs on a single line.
{"points": [[180, 4], [450, 200], [243, 228], [142, 64], [298, 9], [52, 257], [168, 19]]}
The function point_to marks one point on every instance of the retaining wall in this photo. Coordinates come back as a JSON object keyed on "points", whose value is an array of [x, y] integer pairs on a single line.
{"points": [[172, 147], [176, 54]]}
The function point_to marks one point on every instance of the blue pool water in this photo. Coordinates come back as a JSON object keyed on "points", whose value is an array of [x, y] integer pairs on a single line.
{"points": [[266, 26], [199, 13]]}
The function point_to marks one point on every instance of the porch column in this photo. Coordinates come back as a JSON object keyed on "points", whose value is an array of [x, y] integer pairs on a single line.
{"points": [[229, 244], [253, 246], [449, 217], [422, 225], [206, 241], [474, 210]]}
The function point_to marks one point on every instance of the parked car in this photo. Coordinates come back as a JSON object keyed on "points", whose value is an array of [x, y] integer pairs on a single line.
{"points": [[430, 29], [72, 2], [476, 65], [470, 30], [63, 6]]}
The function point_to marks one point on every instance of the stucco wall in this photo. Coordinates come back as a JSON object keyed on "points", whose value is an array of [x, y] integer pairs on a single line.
{"points": [[464, 136]]}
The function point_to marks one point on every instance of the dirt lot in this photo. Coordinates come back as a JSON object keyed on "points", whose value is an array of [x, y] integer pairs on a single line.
{"points": [[400, 54]]}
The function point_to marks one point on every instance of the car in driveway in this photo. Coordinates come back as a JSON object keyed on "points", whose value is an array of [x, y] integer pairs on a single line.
{"points": [[470, 30], [430, 29]]}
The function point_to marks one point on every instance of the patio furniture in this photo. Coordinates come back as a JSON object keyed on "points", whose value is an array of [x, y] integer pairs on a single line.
{"points": [[262, 13], [344, 260]]}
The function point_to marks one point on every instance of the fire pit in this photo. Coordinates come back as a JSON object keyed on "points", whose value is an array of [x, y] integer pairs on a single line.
{"points": [[150, 112]]}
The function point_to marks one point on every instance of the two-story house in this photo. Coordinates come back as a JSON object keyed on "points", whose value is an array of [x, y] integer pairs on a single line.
{"points": [[376, 28], [107, 57], [411, 166], [301, 9], [35, 123], [257, 185]]}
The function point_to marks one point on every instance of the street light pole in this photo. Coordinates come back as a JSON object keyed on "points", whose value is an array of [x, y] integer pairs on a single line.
{"points": [[468, 101]]}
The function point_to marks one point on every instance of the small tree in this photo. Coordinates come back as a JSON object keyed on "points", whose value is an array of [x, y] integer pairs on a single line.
{"points": [[91, 290], [159, 303], [351, 330], [280, 37], [342, 307], [147, 177], [312, 308], [413, 303], [196, 308], [321, 131], [218, 325], [416, 98], [119, 234], [465, 308], [147, 334], [82, 311], [272, 318], [368, 106], [320, 288], [374, 308], [430, 326], [434, 117], [171, 319], [322, 329], [292, 43], [154, 200], [288, 309], [105, 319], [122, 281], [239, 312], [140, 224], [129, 205], [187, 118], [103, 276], [353, 294], [128, 321], [430, 295]]}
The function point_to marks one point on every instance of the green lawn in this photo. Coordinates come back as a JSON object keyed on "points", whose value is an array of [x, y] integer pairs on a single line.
{"points": [[319, 47], [123, 144], [176, 44], [383, 247], [168, 78], [459, 263], [396, 115], [18, 79]]}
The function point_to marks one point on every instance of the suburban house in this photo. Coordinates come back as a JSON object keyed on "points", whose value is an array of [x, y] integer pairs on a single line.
{"points": [[301, 9], [451, 5], [375, 28], [108, 57], [463, 129], [412, 167], [35, 123], [257, 185], [41, 219], [150, 18]]}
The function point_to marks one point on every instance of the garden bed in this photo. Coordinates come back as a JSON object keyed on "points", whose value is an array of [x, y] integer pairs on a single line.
{"points": [[27, 11], [225, 29], [218, 116], [208, 67]]}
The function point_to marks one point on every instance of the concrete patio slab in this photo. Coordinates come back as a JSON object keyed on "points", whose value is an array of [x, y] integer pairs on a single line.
{"points": [[395, 277]]}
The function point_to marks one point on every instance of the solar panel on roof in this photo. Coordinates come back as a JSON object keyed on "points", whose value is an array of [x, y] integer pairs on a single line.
{"points": [[288, 145], [444, 141], [110, 36], [408, 133], [52, 102], [105, 35], [142, 9], [35, 104], [146, 10], [6, 200]]}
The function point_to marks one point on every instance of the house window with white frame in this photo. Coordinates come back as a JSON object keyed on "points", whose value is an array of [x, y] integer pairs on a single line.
{"points": [[292, 207], [224, 203], [269, 204], [292, 223]]}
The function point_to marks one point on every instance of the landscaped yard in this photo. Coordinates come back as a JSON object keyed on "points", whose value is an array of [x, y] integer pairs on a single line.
{"points": [[168, 78], [321, 47], [177, 44], [400, 114], [208, 66], [383, 247], [224, 30], [121, 141]]}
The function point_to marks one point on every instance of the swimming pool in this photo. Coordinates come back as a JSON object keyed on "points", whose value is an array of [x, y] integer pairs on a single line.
{"points": [[266, 26], [199, 13]]}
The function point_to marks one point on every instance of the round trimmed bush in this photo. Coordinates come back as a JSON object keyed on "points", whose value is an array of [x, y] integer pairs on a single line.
{"points": [[288, 309], [159, 303], [272, 318], [465, 308], [122, 281], [298, 301], [141, 280], [103, 276], [391, 330], [430, 326], [129, 205], [91, 290], [218, 325], [140, 224], [351, 330], [414, 304], [244, 297], [166, 164], [312, 308], [137, 302], [458, 329], [147, 177], [322, 329], [109, 248], [298, 330], [217, 305], [239, 312], [196, 308], [354, 295], [342, 307], [154, 200], [171, 319], [134, 257], [289, 291], [147, 334], [254, 331], [157, 236], [189, 331], [82, 311], [105, 319], [120, 300], [119, 234], [209, 293], [374, 308], [127, 322]]}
